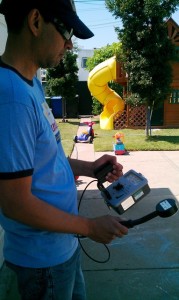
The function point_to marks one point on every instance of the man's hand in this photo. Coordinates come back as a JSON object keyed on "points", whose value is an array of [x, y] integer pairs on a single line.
{"points": [[117, 168], [106, 228]]}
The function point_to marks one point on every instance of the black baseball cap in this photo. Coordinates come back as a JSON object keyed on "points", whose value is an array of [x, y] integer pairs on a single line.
{"points": [[64, 10]]}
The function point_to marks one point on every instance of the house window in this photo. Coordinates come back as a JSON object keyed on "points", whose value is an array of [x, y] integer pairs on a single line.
{"points": [[174, 98], [83, 62]]}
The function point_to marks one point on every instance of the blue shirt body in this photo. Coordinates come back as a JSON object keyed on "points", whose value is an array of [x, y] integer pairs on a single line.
{"points": [[30, 145]]}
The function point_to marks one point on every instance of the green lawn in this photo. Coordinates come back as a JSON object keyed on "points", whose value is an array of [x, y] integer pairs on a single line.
{"points": [[68, 130], [135, 139]]}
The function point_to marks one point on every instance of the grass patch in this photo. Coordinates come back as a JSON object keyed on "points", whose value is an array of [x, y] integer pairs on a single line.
{"points": [[135, 139], [68, 130]]}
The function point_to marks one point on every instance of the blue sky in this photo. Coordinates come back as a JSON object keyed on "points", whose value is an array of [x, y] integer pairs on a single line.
{"points": [[101, 22]]}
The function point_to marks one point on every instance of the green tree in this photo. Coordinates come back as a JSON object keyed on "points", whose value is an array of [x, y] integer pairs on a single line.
{"points": [[62, 81], [146, 48], [99, 56]]}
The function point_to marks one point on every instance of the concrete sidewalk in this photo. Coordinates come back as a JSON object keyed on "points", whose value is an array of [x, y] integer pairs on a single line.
{"points": [[144, 264]]}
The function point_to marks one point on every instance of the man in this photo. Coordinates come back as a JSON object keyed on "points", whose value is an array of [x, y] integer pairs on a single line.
{"points": [[38, 195]]}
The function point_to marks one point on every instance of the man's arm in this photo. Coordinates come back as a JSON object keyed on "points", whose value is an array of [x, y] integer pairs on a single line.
{"points": [[85, 168], [18, 203]]}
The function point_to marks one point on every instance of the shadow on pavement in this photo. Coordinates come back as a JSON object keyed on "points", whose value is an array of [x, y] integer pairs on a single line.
{"points": [[142, 265]]}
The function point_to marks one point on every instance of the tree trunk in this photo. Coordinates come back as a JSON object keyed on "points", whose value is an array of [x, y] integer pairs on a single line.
{"points": [[148, 122]]}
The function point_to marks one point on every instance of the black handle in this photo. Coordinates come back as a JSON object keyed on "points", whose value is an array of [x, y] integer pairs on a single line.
{"points": [[132, 223]]}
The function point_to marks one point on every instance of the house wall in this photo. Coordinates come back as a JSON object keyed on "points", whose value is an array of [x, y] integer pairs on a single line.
{"points": [[171, 105], [82, 56], [171, 115], [175, 72]]}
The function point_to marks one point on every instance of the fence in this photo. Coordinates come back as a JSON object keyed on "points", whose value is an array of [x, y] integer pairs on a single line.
{"points": [[132, 117]]}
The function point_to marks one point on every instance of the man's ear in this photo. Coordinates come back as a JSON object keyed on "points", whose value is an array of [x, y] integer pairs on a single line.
{"points": [[34, 21]]}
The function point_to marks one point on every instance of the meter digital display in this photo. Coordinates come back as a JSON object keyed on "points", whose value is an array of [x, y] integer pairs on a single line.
{"points": [[133, 178]]}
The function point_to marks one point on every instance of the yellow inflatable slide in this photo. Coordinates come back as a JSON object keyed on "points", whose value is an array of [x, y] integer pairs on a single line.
{"points": [[98, 85]]}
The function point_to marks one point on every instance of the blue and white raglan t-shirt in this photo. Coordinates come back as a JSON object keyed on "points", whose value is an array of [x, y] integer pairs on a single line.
{"points": [[30, 145]]}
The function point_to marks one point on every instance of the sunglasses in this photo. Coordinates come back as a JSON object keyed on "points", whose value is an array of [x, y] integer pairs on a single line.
{"points": [[61, 28]]}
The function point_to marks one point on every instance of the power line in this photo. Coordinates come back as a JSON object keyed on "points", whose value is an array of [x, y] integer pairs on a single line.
{"points": [[87, 1], [98, 18], [102, 24], [99, 3]]}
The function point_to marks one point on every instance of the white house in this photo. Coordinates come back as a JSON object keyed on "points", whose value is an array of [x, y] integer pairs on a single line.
{"points": [[83, 55]]}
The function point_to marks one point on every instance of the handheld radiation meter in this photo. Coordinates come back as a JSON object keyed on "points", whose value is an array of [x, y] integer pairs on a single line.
{"points": [[125, 192]]}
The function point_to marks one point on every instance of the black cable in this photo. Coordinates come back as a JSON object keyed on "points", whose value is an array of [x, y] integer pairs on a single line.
{"points": [[95, 260], [84, 192], [82, 237]]}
